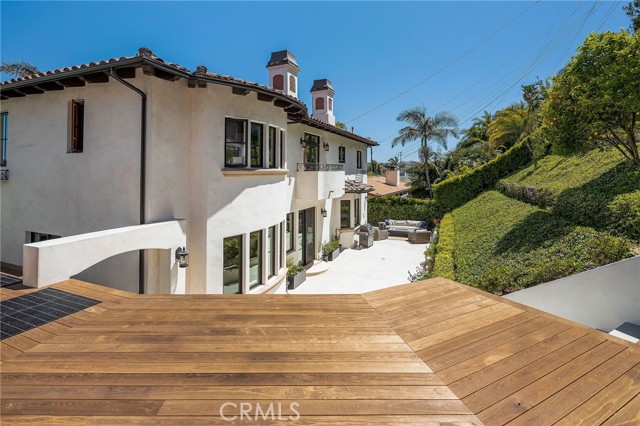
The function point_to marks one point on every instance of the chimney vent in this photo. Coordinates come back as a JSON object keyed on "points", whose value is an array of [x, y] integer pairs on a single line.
{"points": [[283, 72], [322, 101]]}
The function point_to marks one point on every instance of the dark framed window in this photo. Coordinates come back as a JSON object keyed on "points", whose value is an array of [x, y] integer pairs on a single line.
{"points": [[289, 233], [273, 133], [341, 154], [282, 148], [345, 214], [235, 143], [232, 265], [76, 142], [356, 211], [281, 249], [359, 159], [319, 103], [255, 258], [257, 145], [312, 149], [271, 251], [4, 137], [36, 237]]}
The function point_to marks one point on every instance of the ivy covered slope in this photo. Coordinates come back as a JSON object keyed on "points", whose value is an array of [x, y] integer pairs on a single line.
{"points": [[598, 189], [502, 244]]}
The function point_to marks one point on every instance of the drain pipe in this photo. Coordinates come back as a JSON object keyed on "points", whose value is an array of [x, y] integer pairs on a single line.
{"points": [[143, 166]]}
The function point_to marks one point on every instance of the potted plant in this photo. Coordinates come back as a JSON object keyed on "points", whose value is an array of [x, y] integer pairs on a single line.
{"points": [[296, 275], [331, 250]]}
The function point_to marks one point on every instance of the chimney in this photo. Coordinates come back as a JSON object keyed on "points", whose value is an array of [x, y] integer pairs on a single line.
{"points": [[322, 101], [392, 177], [283, 72]]}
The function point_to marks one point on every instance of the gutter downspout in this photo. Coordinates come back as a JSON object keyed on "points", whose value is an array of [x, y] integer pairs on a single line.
{"points": [[143, 167]]}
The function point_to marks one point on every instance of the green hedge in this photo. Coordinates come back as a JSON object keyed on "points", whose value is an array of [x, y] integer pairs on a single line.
{"points": [[599, 189], [444, 265], [454, 192], [503, 245], [381, 208]]}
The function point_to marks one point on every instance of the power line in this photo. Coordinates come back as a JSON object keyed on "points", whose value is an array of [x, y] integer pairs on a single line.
{"points": [[448, 65]]}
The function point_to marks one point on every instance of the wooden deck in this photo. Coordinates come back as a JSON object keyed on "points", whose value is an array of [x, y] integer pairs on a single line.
{"points": [[511, 364], [427, 353]]}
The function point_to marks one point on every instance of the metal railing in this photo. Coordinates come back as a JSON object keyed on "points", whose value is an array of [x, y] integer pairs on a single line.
{"points": [[4, 174], [316, 167]]}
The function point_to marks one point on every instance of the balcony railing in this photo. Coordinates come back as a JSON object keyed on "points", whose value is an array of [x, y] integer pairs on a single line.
{"points": [[4, 174], [316, 167]]}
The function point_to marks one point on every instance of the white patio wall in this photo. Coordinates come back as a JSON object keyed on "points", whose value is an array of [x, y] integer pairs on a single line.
{"points": [[601, 298], [52, 261]]}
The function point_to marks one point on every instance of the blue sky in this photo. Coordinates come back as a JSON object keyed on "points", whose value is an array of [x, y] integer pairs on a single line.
{"points": [[371, 51]]}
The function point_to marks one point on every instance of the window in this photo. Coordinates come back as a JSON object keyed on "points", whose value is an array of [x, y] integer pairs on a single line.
{"points": [[271, 251], [282, 148], [4, 137], [330, 104], [36, 237], [255, 258], [235, 143], [319, 103], [76, 143], [356, 211], [257, 145], [345, 214], [292, 83], [341, 154], [311, 150], [271, 158], [359, 159], [278, 82], [232, 266], [289, 233]]}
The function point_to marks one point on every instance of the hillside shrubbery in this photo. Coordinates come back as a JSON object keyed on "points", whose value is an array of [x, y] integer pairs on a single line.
{"points": [[455, 191], [381, 208], [599, 189], [444, 265], [502, 245]]}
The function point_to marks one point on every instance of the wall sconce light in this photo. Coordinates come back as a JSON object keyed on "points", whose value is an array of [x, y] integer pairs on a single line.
{"points": [[182, 256], [326, 146], [323, 212]]}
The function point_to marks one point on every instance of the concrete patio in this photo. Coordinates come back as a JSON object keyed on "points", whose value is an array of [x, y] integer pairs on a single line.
{"points": [[386, 264]]}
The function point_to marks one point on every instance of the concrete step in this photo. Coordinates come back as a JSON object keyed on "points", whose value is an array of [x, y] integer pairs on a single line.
{"points": [[319, 266]]}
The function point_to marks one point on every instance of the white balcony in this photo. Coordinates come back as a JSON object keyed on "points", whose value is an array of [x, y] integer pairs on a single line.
{"points": [[319, 181]]}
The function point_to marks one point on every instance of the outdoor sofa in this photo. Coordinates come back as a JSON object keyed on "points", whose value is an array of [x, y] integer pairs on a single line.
{"points": [[402, 228]]}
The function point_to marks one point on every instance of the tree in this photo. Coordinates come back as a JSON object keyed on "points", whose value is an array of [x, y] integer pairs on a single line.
{"points": [[18, 69], [341, 125], [395, 163], [426, 129], [633, 12], [595, 101], [476, 135], [507, 128]]}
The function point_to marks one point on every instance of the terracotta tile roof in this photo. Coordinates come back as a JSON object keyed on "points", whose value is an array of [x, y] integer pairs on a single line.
{"points": [[145, 55], [382, 189], [312, 121], [352, 186]]}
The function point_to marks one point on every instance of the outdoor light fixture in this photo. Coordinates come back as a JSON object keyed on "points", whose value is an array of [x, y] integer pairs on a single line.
{"points": [[323, 212], [182, 256], [326, 146]]}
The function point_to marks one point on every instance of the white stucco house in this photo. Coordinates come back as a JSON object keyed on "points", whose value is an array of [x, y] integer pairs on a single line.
{"points": [[244, 172]]}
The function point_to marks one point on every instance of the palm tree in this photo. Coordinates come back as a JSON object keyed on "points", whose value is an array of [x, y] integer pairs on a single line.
{"points": [[19, 69], [395, 163], [508, 127], [424, 128]]}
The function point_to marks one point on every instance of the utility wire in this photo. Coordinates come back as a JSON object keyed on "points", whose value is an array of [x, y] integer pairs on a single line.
{"points": [[456, 60]]}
